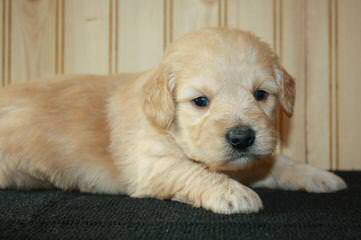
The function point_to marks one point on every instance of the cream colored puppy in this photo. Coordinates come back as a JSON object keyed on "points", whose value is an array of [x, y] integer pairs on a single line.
{"points": [[168, 133]]}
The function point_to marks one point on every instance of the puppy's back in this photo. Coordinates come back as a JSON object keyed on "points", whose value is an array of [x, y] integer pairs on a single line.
{"points": [[49, 129]]}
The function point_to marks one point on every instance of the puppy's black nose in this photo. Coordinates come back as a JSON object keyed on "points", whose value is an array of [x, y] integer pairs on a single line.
{"points": [[241, 137]]}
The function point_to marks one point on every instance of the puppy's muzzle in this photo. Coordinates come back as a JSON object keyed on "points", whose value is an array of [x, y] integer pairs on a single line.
{"points": [[240, 138]]}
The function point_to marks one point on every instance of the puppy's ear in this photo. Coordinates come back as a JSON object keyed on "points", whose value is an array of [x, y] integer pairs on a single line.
{"points": [[288, 89], [159, 103]]}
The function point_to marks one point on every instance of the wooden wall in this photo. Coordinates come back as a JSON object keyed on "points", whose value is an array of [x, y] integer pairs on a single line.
{"points": [[319, 42]]}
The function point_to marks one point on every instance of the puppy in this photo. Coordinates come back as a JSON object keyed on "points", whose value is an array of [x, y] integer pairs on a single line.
{"points": [[184, 131]]}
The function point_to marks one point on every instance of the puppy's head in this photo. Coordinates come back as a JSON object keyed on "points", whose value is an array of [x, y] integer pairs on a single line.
{"points": [[216, 93]]}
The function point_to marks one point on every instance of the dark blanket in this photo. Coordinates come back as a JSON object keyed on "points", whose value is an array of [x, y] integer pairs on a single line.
{"points": [[287, 215]]}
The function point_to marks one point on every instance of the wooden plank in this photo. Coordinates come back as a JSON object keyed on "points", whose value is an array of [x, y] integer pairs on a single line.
{"points": [[1, 42], [317, 87], [86, 36], [252, 15], [6, 44], [32, 39], [293, 58], [141, 39], [349, 84], [333, 83], [191, 15], [59, 37], [168, 23]]}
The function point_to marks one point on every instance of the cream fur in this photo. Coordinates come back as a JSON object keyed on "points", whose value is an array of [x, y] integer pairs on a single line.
{"points": [[141, 135]]}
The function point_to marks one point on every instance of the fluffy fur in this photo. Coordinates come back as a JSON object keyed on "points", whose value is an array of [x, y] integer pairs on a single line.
{"points": [[140, 134]]}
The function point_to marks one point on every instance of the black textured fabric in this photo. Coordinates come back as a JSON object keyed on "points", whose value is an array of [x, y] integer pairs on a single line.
{"points": [[287, 215]]}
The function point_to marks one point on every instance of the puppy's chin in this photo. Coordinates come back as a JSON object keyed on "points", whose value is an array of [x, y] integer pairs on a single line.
{"points": [[234, 163], [239, 160]]}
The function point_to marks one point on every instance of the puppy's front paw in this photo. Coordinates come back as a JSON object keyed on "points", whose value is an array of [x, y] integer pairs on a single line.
{"points": [[232, 197], [323, 181]]}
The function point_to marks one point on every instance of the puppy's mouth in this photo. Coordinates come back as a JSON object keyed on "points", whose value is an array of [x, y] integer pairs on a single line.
{"points": [[234, 155], [247, 156], [240, 157], [234, 161]]}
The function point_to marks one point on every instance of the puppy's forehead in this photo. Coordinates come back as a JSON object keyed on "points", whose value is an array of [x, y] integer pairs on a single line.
{"points": [[229, 84], [252, 76], [214, 77]]}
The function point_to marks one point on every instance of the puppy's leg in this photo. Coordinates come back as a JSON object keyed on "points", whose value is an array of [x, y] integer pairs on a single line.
{"points": [[289, 175], [189, 182]]}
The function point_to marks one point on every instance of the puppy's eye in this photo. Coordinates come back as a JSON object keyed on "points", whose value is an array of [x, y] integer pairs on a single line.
{"points": [[201, 101], [260, 95]]}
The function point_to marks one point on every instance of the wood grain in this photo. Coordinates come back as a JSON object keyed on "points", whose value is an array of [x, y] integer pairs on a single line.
{"points": [[317, 87], [333, 103], [6, 42], [86, 36], [293, 58], [141, 40], [246, 15], [168, 22], [191, 15], [33, 39], [59, 36], [349, 83], [1, 41]]}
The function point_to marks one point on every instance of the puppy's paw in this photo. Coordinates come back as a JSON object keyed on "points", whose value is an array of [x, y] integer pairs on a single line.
{"points": [[320, 181], [231, 198]]}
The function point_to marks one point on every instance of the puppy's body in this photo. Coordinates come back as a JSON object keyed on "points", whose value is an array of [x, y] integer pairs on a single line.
{"points": [[141, 134], [57, 133]]}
